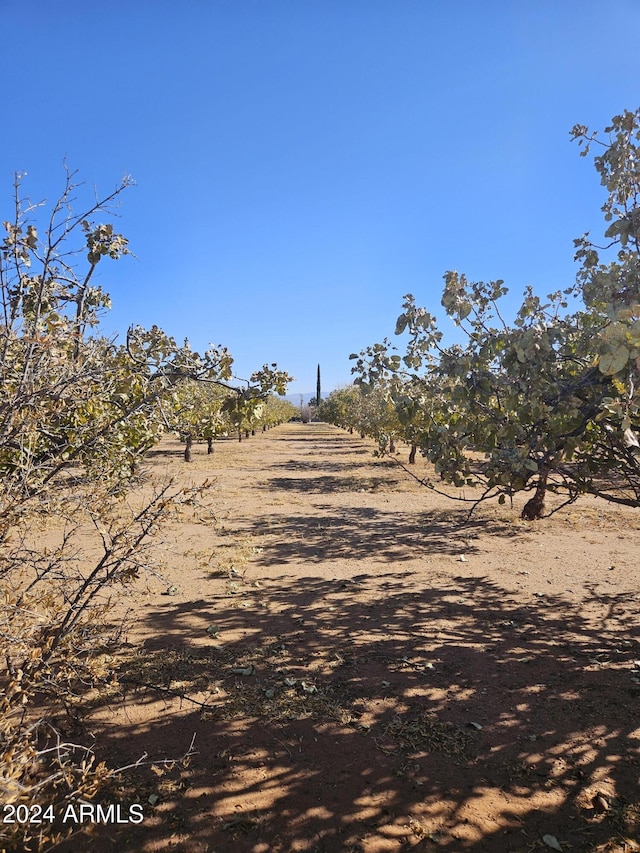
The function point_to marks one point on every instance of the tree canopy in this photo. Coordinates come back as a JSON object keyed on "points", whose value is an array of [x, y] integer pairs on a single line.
{"points": [[547, 399]]}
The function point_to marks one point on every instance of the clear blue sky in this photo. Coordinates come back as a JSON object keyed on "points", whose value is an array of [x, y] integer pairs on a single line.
{"points": [[302, 165]]}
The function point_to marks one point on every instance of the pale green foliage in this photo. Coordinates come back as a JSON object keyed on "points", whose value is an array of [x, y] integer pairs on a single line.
{"points": [[268, 380], [613, 288], [243, 411], [343, 408], [246, 408], [196, 409], [77, 412], [202, 410], [549, 399], [372, 410], [378, 417], [276, 410]]}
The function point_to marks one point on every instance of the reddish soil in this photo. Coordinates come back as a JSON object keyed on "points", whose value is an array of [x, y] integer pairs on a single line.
{"points": [[364, 671]]}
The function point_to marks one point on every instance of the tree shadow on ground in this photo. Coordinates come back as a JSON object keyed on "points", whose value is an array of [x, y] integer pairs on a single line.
{"points": [[328, 439], [385, 713], [317, 465], [414, 708], [368, 533], [326, 483]]}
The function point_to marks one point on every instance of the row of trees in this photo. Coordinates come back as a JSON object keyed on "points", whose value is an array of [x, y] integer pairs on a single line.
{"points": [[77, 413], [201, 411], [547, 400]]}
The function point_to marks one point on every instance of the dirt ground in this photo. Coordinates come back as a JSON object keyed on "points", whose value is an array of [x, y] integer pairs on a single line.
{"points": [[363, 671]]}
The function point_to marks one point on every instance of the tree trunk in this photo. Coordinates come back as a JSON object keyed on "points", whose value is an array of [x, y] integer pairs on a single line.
{"points": [[534, 507], [412, 454], [187, 448], [210, 446]]}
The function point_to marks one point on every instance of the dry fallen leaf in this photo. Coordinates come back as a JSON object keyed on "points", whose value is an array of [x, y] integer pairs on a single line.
{"points": [[244, 670], [600, 803]]}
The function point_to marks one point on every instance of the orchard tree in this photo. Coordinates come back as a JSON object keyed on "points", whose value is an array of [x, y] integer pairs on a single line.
{"points": [[70, 396], [244, 412], [342, 408], [275, 411], [77, 411], [245, 405], [549, 400], [378, 417], [195, 413], [368, 409], [204, 409]]}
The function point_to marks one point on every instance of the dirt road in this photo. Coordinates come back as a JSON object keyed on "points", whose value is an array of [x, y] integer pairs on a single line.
{"points": [[362, 671]]}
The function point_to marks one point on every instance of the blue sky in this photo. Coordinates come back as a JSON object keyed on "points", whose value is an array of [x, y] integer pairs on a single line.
{"points": [[302, 165]]}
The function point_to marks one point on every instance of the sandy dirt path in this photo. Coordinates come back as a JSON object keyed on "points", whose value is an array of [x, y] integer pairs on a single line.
{"points": [[362, 671]]}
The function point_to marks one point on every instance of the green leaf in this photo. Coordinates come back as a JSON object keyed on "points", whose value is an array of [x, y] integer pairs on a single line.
{"points": [[613, 359], [401, 324]]}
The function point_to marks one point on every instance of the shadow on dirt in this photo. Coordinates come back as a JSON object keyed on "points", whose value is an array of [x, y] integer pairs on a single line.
{"points": [[324, 484], [416, 701], [320, 465], [365, 533], [410, 710]]}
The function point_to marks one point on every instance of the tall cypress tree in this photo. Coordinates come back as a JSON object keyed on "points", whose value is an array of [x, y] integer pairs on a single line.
{"points": [[318, 388]]}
